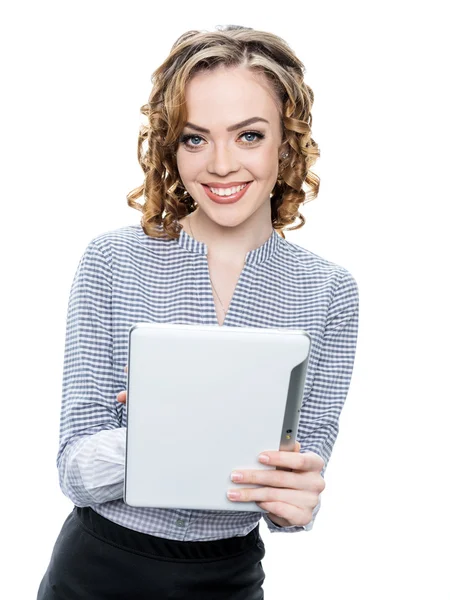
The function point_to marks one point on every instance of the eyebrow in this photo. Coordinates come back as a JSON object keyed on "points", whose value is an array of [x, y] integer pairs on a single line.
{"points": [[231, 128]]}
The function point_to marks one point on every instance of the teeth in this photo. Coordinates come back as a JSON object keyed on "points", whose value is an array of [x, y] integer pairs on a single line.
{"points": [[227, 191]]}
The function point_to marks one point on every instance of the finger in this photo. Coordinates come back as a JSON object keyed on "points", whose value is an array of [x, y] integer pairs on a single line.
{"points": [[312, 461], [126, 369], [299, 461], [122, 397], [296, 449], [293, 480], [299, 498]]}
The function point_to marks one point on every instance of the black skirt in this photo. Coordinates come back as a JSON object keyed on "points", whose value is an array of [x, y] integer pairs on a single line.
{"points": [[95, 558]]}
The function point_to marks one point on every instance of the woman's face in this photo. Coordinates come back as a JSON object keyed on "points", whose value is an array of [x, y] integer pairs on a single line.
{"points": [[216, 101]]}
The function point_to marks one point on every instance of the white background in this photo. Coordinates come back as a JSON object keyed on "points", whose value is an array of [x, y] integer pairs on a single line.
{"points": [[74, 75]]}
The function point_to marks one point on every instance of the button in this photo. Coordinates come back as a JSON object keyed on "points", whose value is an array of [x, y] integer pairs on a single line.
{"points": [[180, 522]]}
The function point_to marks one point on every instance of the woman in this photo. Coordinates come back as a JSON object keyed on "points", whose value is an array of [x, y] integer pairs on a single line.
{"points": [[229, 148]]}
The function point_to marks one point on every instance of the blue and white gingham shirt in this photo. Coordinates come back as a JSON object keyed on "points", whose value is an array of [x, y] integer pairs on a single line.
{"points": [[125, 277]]}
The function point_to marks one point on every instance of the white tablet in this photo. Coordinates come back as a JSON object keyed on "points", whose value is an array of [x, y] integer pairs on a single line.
{"points": [[204, 400]]}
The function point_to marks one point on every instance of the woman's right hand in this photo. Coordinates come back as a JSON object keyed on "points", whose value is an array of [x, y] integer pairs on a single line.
{"points": [[122, 396]]}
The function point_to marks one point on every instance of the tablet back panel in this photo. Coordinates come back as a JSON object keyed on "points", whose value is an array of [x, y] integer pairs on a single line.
{"points": [[204, 400]]}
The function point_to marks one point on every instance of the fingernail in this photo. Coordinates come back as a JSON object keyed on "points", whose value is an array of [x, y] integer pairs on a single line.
{"points": [[263, 458], [233, 495]]}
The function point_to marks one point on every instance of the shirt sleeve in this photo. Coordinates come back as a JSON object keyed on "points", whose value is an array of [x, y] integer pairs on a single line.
{"points": [[322, 405], [91, 453]]}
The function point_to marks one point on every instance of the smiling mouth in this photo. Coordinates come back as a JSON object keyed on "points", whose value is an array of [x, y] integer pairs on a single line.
{"points": [[227, 198]]}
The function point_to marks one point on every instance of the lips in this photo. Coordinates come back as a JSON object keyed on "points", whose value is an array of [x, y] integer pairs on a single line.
{"points": [[226, 199]]}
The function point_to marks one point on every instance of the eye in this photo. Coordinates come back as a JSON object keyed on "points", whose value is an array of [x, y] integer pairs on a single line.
{"points": [[259, 136], [184, 139]]}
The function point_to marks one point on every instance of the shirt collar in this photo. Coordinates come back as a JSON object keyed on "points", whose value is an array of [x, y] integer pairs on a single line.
{"points": [[253, 257]]}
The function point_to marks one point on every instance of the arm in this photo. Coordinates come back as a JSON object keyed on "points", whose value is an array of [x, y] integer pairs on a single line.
{"points": [[91, 452], [322, 406]]}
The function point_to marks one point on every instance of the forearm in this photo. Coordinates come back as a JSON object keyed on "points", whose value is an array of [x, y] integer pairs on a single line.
{"points": [[91, 471]]}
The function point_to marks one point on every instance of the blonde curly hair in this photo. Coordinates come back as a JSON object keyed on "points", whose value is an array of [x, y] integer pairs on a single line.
{"points": [[165, 198]]}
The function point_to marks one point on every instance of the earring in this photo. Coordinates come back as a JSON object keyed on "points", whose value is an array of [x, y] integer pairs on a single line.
{"points": [[284, 155]]}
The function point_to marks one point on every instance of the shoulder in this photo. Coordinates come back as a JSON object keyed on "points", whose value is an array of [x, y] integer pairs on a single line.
{"points": [[127, 235], [334, 286], [119, 244], [317, 268]]}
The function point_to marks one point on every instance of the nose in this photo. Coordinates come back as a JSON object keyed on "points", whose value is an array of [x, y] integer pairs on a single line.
{"points": [[223, 160]]}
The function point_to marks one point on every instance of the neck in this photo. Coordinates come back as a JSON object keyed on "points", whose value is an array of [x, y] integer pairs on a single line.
{"points": [[227, 244]]}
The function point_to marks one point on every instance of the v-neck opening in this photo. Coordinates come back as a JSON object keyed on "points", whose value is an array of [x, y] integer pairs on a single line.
{"points": [[242, 291], [233, 297]]}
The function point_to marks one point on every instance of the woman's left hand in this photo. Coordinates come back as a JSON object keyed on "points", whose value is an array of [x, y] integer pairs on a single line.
{"points": [[290, 496]]}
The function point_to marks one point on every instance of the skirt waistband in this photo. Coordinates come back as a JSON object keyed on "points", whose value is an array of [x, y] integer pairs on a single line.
{"points": [[150, 545]]}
